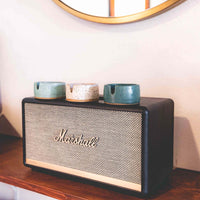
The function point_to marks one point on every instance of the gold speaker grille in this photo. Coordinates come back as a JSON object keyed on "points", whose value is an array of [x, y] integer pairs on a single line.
{"points": [[118, 151]]}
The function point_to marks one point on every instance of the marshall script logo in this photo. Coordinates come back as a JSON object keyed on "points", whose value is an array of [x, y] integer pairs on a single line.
{"points": [[71, 139]]}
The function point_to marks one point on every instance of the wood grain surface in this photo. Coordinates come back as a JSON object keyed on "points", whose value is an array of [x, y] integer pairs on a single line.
{"points": [[183, 184]]}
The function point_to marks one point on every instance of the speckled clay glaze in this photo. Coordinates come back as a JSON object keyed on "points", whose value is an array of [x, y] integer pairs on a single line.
{"points": [[82, 92], [122, 94], [49, 90]]}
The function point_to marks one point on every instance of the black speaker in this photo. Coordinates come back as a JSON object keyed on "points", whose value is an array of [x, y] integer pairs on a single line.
{"points": [[129, 147]]}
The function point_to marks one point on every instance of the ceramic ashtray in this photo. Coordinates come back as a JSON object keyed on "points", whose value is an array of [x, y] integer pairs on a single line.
{"points": [[49, 90], [122, 94], [82, 92]]}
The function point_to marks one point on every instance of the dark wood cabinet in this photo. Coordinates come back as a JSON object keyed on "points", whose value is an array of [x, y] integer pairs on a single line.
{"points": [[183, 184]]}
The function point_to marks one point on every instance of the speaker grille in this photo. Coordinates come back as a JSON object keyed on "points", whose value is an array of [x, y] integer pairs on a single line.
{"points": [[118, 151]]}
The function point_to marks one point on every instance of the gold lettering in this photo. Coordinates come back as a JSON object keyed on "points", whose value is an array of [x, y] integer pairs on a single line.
{"points": [[61, 137], [67, 140], [94, 141], [76, 140], [86, 142]]}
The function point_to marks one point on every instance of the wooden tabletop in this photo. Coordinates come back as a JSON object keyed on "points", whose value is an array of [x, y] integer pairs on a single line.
{"points": [[183, 184]]}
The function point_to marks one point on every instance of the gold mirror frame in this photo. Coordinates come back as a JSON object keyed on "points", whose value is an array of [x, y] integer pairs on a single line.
{"points": [[119, 20]]}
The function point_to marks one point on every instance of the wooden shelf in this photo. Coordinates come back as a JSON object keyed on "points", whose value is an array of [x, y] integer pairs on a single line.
{"points": [[182, 185]]}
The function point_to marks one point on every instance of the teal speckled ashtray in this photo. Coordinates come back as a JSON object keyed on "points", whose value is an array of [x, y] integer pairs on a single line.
{"points": [[122, 94], [49, 90]]}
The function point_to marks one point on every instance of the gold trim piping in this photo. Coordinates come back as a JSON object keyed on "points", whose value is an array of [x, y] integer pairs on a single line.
{"points": [[96, 177]]}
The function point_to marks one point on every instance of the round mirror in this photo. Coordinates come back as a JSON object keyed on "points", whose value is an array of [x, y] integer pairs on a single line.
{"points": [[115, 11]]}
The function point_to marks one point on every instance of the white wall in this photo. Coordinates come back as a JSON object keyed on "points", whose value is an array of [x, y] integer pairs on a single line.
{"points": [[10, 192], [40, 41]]}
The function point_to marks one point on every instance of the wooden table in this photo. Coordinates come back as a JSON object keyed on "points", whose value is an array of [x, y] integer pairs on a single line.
{"points": [[183, 184]]}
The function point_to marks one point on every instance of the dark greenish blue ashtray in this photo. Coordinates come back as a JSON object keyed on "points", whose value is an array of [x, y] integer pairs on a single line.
{"points": [[122, 94], [49, 90]]}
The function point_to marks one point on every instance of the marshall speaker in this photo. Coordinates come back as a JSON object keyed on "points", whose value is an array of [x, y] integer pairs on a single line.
{"points": [[129, 147]]}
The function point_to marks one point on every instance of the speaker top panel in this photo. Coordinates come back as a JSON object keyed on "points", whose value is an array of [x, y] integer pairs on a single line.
{"points": [[146, 104]]}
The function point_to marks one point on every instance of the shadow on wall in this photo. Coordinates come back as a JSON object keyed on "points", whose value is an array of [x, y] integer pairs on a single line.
{"points": [[0, 102], [6, 127], [187, 155]]}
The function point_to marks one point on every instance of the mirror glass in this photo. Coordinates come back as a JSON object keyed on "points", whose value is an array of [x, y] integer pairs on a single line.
{"points": [[111, 8]]}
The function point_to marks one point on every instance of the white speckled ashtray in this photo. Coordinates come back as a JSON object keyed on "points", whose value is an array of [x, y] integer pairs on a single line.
{"points": [[82, 92]]}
